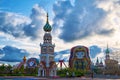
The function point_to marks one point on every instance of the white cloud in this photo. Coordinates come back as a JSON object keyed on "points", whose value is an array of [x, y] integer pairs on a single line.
{"points": [[110, 22], [18, 30]]}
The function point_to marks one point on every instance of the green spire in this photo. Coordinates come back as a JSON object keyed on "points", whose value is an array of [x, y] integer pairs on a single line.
{"points": [[107, 50], [47, 27], [97, 60]]}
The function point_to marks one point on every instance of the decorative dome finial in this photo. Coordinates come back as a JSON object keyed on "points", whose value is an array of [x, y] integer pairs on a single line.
{"points": [[24, 58], [47, 27], [47, 17]]}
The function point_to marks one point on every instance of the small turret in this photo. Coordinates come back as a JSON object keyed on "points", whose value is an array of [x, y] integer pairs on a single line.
{"points": [[24, 59], [97, 62], [107, 53], [101, 64]]}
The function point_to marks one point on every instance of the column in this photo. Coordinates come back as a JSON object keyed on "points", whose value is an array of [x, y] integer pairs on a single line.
{"points": [[55, 73], [47, 60], [39, 73], [51, 72], [43, 73]]}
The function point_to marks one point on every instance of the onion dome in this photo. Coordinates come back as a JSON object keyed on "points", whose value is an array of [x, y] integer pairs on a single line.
{"points": [[47, 27], [107, 50]]}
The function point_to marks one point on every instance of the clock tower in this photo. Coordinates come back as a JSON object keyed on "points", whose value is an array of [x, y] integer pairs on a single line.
{"points": [[47, 65]]}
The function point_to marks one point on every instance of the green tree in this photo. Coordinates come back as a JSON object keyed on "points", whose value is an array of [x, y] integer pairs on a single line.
{"points": [[16, 71], [9, 68], [77, 72], [21, 70], [2, 68]]}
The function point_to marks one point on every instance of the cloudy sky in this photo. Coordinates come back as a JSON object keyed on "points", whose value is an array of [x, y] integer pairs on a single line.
{"points": [[92, 23]]}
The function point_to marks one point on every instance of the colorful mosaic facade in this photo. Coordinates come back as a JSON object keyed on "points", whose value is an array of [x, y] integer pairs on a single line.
{"points": [[79, 58]]}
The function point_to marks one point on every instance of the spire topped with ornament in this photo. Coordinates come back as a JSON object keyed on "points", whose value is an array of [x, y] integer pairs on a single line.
{"points": [[47, 27], [107, 51]]}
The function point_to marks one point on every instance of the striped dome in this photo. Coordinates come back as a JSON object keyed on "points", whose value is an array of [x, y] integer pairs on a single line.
{"points": [[47, 27]]}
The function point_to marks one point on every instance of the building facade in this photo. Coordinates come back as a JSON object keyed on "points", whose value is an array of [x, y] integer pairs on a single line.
{"points": [[99, 64], [111, 66], [47, 66]]}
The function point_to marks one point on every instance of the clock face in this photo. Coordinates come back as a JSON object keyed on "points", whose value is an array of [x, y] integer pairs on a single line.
{"points": [[44, 49], [31, 63], [80, 54]]}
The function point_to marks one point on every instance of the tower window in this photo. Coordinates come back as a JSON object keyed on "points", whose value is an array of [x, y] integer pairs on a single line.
{"points": [[51, 49]]}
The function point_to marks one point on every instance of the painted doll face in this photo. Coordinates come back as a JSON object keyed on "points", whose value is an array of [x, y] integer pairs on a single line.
{"points": [[80, 55]]}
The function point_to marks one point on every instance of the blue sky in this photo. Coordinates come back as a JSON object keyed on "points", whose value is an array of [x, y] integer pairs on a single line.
{"points": [[24, 7], [17, 6], [92, 23]]}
